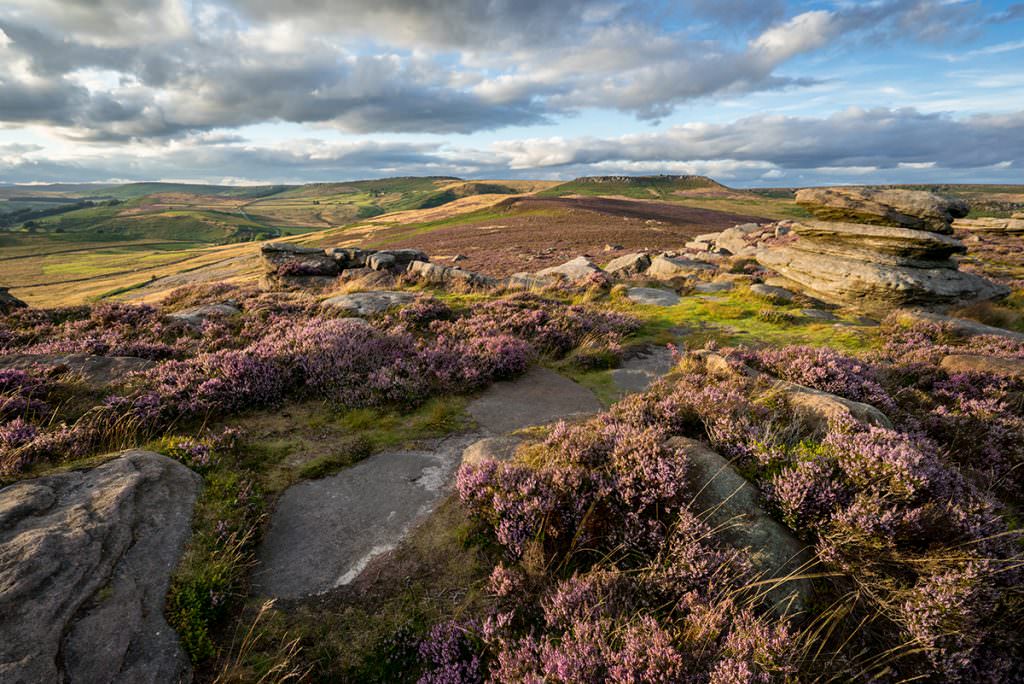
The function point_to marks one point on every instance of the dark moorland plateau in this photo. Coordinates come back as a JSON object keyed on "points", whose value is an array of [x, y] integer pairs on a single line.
{"points": [[627, 429]]}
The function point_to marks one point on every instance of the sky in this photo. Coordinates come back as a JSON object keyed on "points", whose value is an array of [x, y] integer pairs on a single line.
{"points": [[749, 92]]}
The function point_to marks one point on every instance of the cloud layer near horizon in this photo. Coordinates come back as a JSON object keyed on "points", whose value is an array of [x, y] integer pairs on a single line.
{"points": [[160, 88]]}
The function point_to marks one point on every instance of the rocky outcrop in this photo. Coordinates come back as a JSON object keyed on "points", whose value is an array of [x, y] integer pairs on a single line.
{"points": [[870, 265], [1008, 226], [888, 207], [628, 265], [491, 449], [285, 259], [772, 293], [96, 372], [85, 563], [367, 303], [980, 363], [664, 267], [435, 274], [9, 302], [731, 506], [576, 269]]}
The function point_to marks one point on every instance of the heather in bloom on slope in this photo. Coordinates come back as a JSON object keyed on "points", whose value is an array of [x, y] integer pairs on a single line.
{"points": [[276, 351], [923, 558]]}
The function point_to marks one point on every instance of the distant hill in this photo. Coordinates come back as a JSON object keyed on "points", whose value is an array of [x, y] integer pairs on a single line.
{"points": [[638, 187], [134, 190]]}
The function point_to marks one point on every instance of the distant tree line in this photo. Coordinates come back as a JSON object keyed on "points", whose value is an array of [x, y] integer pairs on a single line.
{"points": [[28, 216]]}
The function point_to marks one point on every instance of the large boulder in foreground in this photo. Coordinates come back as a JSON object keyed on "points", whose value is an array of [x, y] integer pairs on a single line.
{"points": [[879, 244], [9, 302], [887, 207], [368, 303], [85, 562]]}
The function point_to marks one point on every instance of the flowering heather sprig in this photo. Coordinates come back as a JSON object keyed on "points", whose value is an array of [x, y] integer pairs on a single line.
{"points": [[449, 656]]}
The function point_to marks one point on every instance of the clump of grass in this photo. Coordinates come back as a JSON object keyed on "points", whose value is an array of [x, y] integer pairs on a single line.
{"points": [[349, 452], [776, 316]]}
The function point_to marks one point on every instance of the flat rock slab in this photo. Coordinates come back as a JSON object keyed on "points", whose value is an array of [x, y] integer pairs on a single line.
{"points": [[85, 563], [638, 372], [368, 303], [324, 532], [541, 396], [652, 296]]}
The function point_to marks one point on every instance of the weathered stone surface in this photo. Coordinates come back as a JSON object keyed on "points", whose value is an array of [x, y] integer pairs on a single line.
{"points": [[368, 303], [1012, 226], [665, 268], [85, 563], [445, 275], [286, 259], [731, 506], [528, 281], [640, 370], [722, 286], [652, 296], [324, 532], [628, 265], [381, 261], [879, 244], [491, 449], [772, 293], [846, 280], [575, 269], [980, 363], [350, 257], [9, 302], [818, 314], [198, 315], [96, 371], [893, 207], [537, 398], [818, 408]]}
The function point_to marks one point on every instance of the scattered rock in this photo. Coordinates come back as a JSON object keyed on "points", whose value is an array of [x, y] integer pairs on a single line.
{"points": [[381, 261], [640, 370], [772, 293], [652, 296], [893, 207], [445, 275], [665, 268], [368, 303], [537, 398], [85, 563], [9, 302], [979, 363], [491, 449], [707, 288], [196, 316], [576, 269], [628, 265], [96, 371], [528, 281], [613, 248], [818, 408], [818, 314], [350, 257], [731, 506]]}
